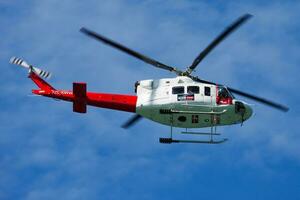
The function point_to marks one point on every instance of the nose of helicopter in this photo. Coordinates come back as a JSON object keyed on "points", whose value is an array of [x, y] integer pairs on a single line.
{"points": [[248, 112], [243, 110]]}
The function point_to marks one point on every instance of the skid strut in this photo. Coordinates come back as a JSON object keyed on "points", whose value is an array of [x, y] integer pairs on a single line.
{"points": [[213, 132]]}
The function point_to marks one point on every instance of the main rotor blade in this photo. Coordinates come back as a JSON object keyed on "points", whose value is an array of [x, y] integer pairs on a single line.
{"points": [[133, 120], [259, 99], [247, 95], [195, 78], [126, 50], [230, 29]]}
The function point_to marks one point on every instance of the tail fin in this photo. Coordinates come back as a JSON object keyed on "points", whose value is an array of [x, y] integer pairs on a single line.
{"points": [[35, 74], [43, 85]]}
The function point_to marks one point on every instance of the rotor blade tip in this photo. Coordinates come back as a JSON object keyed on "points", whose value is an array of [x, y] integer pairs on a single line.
{"points": [[286, 109], [247, 16], [11, 60], [83, 30]]}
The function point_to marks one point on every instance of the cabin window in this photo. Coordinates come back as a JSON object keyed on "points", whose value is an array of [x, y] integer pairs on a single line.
{"points": [[207, 91], [182, 118], [195, 119], [193, 90], [178, 90]]}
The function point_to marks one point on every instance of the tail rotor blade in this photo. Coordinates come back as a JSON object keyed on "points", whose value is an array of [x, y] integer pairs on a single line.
{"points": [[19, 61], [42, 73]]}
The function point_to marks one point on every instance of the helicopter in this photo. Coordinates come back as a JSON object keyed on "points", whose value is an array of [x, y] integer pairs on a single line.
{"points": [[185, 101]]}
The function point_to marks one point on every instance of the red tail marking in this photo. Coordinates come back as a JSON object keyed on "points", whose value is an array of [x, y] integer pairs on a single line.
{"points": [[43, 85]]}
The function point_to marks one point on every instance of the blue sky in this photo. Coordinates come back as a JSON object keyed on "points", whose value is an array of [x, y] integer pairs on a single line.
{"points": [[49, 152]]}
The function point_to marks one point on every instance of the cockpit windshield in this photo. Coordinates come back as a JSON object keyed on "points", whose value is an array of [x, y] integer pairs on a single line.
{"points": [[224, 93], [224, 96]]}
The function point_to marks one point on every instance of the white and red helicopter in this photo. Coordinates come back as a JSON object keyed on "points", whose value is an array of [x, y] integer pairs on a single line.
{"points": [[185, 101]]}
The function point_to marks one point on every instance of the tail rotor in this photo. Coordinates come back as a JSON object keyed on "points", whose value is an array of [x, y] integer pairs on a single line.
{"points": [[22, 63]]}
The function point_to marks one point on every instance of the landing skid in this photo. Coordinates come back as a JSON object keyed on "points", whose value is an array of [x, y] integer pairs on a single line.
{"points": [[210, 140], [171, 140]]}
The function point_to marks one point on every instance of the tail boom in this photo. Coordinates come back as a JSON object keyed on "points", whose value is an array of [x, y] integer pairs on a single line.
{"points": [[120, 102], [81, 98]]}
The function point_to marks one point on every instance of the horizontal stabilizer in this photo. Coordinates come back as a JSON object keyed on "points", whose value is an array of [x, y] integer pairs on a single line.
{"points": [[79, 102]]}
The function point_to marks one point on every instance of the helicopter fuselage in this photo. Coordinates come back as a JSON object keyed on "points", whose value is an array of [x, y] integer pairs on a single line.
{"points": [[181, 102]]}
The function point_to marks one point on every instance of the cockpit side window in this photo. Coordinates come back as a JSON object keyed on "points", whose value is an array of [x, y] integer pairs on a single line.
{"points": [[193, 89], [178, 90], [207, 91]]}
